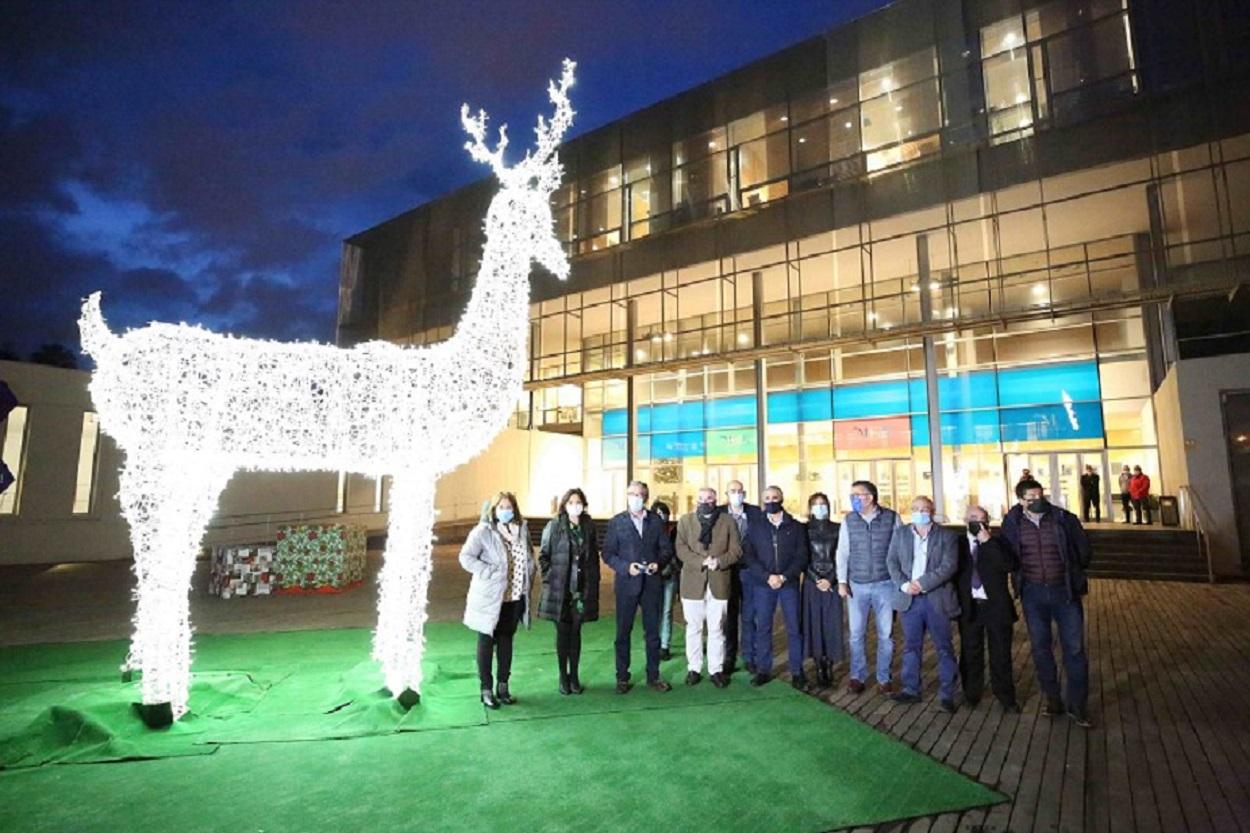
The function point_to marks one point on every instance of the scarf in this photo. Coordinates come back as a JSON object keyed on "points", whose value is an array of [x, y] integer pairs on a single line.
{"points": [[706, 523]]}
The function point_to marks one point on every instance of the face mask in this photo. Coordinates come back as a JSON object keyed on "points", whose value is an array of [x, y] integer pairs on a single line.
{"points": [[735, 499], [635, 503], [820, 511], [974, 527], [921, 518], [857, 503], [504, 515], [707, 510], [1038, 506], [574, 510], [772, 507]]}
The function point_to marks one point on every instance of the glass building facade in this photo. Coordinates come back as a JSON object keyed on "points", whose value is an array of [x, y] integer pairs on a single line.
{"points": [[999, 203]]}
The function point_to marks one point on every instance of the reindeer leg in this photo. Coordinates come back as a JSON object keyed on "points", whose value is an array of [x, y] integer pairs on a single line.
{"points": [[404, 585], [167, 509]]}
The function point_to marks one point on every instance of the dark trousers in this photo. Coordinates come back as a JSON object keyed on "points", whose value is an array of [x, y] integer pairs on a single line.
{"points": [[765, 607], [973, 637], [745, 622], [920, 618], [1138, 505], [651, 600], [733, 612], [1088, 501], [1044, 604], [499, 644], [569, 638], [1126, 501]]}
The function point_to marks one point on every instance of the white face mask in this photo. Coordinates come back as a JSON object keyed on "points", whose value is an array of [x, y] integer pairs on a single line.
{"points": [[736, 498], [574, 509], [820, 511], [635, 503]]}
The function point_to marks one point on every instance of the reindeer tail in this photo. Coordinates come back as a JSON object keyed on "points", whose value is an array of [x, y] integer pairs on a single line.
{"points": [[95, 334]]}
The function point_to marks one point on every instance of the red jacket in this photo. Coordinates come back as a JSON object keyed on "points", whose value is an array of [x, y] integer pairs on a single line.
{"points": [[1139, 487]]}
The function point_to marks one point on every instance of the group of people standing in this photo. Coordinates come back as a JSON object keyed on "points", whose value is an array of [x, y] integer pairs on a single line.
{"points": [[732, 565]]}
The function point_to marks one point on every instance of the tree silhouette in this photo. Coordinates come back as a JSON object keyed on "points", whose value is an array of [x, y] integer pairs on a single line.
{"points": [[55, 355]]}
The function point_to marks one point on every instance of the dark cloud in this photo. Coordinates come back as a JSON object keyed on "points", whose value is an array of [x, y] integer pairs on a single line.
{"points": [[202, 161]]}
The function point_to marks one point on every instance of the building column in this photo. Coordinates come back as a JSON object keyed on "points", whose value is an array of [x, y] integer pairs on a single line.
{"points": [[761, 384], [930, 376]]}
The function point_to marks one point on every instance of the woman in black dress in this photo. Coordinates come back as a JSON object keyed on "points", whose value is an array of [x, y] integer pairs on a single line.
{"points": [[570, 566], [822, 606]]}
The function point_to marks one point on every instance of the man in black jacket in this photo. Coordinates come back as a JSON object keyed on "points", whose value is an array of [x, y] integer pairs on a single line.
{"points": [[1050, 581], [637, 547], [775, 553], [987, 613]]}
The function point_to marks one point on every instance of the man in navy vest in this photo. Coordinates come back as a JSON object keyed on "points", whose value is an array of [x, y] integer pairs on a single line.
{"points": [[864, 581], [776, 554], [636, 547], [1050, 580]]}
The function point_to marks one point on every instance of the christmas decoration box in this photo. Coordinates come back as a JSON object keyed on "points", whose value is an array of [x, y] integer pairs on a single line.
{"points": [[242, 571], [319, 559]]}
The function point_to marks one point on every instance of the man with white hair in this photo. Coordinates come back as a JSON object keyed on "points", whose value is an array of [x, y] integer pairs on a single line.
{"points": [[923, 560], [707, 546]]}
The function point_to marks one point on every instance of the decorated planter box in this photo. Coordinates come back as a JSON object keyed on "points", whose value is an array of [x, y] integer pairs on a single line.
{"points": [[242, 571], [319, 559]]}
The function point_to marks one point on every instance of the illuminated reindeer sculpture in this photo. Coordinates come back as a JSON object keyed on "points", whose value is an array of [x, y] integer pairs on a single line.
{"points": [[190, 407]]}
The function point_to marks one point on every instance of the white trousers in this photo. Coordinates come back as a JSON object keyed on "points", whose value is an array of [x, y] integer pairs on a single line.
{"points": [[709, 611]]}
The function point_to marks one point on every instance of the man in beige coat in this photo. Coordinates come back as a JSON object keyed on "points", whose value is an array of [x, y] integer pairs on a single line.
{"points": [[707, 546]]}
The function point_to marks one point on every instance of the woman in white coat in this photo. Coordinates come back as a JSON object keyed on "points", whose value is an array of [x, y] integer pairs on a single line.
{"points": [[498, 554]]}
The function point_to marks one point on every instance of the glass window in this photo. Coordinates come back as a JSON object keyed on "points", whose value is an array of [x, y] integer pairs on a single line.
{"points": [[763, 159], [85, 481], [897, 74], [697, 147], [758, 124], [1089, 54], [12, 452], [899, 116], [695, 185], [1002, 36]]}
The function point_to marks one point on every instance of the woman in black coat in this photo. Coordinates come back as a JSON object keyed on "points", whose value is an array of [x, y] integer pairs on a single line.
{"points": [[822, 606], [570, 567]]}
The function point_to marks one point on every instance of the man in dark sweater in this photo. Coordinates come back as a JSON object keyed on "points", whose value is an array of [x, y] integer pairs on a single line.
{"points": [[1050, 580], [987, 613]]}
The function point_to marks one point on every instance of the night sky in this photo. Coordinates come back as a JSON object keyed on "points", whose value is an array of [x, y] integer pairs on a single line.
{"points": [[202, 161]]}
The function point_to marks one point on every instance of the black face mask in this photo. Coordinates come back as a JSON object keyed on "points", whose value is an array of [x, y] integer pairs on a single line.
{"points": [[974, 527], [1038, 506], [706, 510], [772, 507]]}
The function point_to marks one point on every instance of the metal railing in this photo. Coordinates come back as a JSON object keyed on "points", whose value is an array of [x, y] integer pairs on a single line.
{"points": [[1191, 511]]}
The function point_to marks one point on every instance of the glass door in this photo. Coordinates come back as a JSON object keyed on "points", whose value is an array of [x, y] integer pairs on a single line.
{"points": [[893, 479]]}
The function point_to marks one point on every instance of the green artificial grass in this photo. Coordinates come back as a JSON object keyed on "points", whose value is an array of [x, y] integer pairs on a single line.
{"points": [[290, 731]]}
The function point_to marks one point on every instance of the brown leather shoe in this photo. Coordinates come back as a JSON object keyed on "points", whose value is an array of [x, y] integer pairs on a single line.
{"points": [[888, 688], [659, 685], [854, 687]]}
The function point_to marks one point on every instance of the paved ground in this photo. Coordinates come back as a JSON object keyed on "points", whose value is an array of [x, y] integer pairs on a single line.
{"points": [[1170, 750]]}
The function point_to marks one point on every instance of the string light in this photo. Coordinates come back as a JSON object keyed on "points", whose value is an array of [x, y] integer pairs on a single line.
{"points": [[189, 407]]}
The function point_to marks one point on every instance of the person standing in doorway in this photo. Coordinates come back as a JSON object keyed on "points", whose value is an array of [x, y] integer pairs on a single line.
{"points": [[707, 547], [1054, 555], [498, 554], [570, 595], [636, 547], [987, 613], [1126, 495], [1091, 494], [1139, 491], [864, 582], [739, 618], [822, 606], [775, 552]]}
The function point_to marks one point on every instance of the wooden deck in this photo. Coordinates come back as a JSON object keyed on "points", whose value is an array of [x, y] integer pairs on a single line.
{"points": [[1170, 701]]}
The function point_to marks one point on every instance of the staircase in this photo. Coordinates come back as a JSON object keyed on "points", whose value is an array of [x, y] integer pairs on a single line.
{"points": [[1156, 553]]}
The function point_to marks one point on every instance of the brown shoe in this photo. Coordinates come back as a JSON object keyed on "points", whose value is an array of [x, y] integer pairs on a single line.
{"points": [[854, 687], [888, 688]]}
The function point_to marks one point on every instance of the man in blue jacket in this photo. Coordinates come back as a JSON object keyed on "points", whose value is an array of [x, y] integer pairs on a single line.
{"points": [[636, 547], [1050, 581], [776, 554]]}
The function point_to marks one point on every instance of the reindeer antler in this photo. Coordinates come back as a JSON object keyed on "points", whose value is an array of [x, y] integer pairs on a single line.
{"points": [[475, 126]]}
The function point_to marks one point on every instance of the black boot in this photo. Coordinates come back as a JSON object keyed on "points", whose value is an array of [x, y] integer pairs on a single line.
{"points": [[575, 684], [488, 699], [565, 688], [823, 675], [503, 696]]}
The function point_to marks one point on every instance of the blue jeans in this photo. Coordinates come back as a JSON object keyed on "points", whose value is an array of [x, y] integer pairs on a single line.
{"points": [[666, 617], [765, 605], [875, 597], [1044, 604], [923, 616], [746, 632]]}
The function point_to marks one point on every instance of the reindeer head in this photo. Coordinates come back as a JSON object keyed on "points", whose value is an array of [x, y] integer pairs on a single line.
{"points": [[527, 186]]}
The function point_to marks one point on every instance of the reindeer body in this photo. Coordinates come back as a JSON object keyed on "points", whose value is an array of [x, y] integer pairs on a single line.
{"points": [[190, 407]]}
